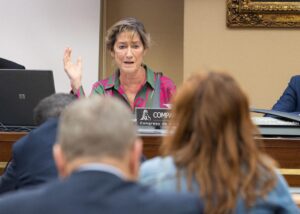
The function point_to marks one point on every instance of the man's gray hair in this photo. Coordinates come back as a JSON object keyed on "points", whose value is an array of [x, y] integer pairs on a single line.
{"points": [[96, 127]]}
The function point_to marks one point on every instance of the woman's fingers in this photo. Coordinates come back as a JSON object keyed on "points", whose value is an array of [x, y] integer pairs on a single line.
{"points": [[79, 62], [67, 57]]}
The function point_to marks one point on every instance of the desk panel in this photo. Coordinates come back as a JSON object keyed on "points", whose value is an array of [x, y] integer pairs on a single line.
{"points": [[286, 151], [6, 141]]}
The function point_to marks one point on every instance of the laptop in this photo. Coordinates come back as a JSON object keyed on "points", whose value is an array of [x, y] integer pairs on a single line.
{"points": [[277, 123], [20, 92]]}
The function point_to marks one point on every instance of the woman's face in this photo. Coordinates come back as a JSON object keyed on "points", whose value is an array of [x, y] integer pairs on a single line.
{"points": [[128, 52]]}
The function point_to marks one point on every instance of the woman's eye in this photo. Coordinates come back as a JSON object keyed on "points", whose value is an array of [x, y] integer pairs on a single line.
{"points": [[122, 47], [135, 46]]}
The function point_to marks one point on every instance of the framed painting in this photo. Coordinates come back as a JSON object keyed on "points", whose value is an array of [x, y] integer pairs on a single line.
{"points": [[263, 13]]}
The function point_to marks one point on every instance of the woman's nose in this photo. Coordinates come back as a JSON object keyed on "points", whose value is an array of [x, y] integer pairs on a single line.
{"points": [[129, 52]]}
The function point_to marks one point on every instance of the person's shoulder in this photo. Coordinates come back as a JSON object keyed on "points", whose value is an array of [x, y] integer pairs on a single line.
{"points": [[25, 201], [45, 128], [281, 186], [137, 198], [167, 82], [49, 124], [44, 132], [101, 82], [163, 77], [104, 83], [192, 202], [295, 83], [170, 202], [20, 143], [295, 78], [159, 171], [280, 196], [156, 163]]}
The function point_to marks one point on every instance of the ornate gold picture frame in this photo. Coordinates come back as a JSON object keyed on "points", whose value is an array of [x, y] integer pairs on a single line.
{"points": [[263, 13]]}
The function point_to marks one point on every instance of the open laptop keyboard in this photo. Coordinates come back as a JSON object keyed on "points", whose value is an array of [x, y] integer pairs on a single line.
{"points": [[16, 128], [270, 121]]}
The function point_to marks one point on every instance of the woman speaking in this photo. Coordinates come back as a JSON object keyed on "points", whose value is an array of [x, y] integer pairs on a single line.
{"points": [[133, 81]]}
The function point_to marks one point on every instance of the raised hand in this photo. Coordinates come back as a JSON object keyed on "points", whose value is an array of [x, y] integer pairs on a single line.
{"points": [[73, 70]]}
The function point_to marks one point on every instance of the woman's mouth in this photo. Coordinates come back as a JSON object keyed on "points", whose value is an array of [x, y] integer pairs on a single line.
{"points": [[128, 62]]}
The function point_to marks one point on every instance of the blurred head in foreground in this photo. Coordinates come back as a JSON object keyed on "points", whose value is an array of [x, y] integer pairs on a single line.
{"points": [[97, 129]]}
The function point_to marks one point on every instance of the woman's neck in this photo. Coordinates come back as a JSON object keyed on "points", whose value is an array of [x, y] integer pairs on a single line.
{"points": [[133, 79], [132, 83]]}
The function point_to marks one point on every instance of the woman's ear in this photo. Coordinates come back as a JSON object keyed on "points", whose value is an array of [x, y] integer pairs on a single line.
{"points": [[112, 53], [145, 51], [60, 161]]}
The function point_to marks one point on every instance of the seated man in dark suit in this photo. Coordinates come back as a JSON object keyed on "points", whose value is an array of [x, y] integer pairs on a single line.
{"points": [[97, 155], [7, 64], [32, 162], [290, 99]]}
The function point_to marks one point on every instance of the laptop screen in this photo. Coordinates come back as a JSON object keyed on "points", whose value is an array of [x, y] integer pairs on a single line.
{"points": [[20, 92]]}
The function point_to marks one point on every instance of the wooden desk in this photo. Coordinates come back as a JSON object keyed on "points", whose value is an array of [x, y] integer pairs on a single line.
{"points": [[285, 150], [6, 141]]}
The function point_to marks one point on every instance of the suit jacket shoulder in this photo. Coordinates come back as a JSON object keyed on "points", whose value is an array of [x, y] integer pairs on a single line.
{"points": [[290, 99], [32, 162], [97, 192]]}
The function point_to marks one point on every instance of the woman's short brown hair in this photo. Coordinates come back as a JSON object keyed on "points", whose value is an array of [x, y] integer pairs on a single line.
{"points": [[127, 24]]}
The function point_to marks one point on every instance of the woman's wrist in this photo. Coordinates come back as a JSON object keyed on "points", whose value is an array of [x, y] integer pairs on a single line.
{"points": [[75, 86]]}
